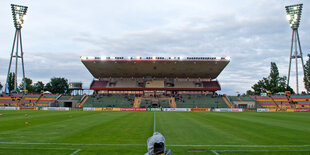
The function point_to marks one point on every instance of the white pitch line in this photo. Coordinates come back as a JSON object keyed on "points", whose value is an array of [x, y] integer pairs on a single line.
{"points": [[176, 145], [27, 148], [21, 143], [262, 150], [215, 152], [154, 129], [259, 146], [76, 151]]}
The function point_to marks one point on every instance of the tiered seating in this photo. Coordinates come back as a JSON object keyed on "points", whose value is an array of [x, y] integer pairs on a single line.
{"points": [[64, 97], [302, 101], [10, 100], [266, 101], [233, 98], [46, 100], [77, 97], [164, 104], [212, 84], [98, 84], [126, 84], [30, 100], [200, 101], [155, 84], [120, 101], [145, 104], [184, 84], [246, 98]]}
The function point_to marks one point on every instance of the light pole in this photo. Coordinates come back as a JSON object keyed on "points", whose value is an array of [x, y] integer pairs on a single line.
{"points": [[293, 15], [19, 13]]}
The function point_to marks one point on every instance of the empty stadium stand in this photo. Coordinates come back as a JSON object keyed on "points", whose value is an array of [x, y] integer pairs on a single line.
{"points": [[121, 101], [283, 101], [200, 101], [28, 100], [10, 99]]}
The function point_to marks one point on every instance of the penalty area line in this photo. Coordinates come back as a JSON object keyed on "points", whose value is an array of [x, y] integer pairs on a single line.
{"points": [[76, 151], [214, 151]]}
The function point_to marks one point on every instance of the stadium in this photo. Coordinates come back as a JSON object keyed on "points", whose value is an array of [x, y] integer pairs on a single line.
{"points": [[134, 99]]}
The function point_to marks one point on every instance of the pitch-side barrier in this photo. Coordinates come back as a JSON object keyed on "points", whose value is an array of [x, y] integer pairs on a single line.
{"points": [[162, 109]]}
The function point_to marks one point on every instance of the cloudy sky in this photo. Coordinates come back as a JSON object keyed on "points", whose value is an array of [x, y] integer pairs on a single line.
{"points": [[57, 32]]}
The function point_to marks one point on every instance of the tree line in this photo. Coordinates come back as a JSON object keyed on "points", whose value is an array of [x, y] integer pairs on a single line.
{"points": [[275, 83], [55, 85]]}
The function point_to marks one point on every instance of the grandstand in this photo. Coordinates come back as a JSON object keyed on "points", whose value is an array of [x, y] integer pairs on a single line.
{"points": [[154, 81], [120, 101], [200, 101], [27, 100], [283, 101]]}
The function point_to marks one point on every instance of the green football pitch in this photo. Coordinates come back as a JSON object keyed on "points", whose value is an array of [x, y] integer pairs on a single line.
{"points": [[214, 133]]}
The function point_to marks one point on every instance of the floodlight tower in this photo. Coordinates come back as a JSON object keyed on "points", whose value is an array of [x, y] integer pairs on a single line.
{"points": [[293, 15], [19, 13]]}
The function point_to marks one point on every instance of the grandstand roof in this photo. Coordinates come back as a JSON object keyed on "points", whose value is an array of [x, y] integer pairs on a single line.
{"points": [[159, 67]]}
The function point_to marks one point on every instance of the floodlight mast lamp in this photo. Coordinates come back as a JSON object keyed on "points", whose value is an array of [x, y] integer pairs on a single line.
{"points": [[293, 15], [19, 14]]}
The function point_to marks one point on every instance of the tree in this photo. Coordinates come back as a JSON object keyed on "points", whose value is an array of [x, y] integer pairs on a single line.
{"points": [[57, 85], [273, 83], [1, 86], [11, 81], [29, 86], [249, 92], [307, 74], [37, 87]]}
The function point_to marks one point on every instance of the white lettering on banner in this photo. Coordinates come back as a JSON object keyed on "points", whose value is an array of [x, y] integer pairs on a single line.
{"points": [[9, 108], [177, 109], [88, 109], [262, 110], [228, 110], [57, 108]]}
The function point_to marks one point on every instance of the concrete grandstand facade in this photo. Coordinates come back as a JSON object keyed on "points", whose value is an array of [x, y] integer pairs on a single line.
{"points": [[170, 74]]}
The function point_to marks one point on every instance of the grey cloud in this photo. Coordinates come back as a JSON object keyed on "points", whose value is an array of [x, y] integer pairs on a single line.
{"points": [[251, 44]]}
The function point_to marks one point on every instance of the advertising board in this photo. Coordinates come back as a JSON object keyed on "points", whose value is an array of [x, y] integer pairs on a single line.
{"points": [[176, 109], [9, 108], [262, 110]]}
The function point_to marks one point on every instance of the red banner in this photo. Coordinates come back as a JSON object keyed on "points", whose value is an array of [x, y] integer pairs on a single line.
{"points": [[133, 109], [200, 109], [302, 110]]}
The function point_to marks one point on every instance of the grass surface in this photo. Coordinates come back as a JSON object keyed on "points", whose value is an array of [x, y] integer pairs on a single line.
{"points": [[86, 132]]}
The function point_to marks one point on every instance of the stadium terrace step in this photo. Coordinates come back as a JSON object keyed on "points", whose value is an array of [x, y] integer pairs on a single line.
{"points": [[22, 100], [172, 102], [84, 99], [227, 101], [137, 102]]}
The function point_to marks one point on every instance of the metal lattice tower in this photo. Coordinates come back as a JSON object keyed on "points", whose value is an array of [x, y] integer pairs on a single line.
{"points": [[293, 16], [19, 13]]}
